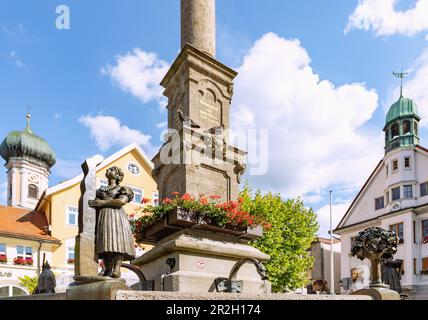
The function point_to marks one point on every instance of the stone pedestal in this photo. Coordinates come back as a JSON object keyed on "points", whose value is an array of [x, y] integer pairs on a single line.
{"points": [[196, 259], [95, 288], [378, 292]]}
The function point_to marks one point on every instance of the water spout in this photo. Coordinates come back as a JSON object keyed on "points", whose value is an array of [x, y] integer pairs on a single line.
{"points": [[261, 270]]}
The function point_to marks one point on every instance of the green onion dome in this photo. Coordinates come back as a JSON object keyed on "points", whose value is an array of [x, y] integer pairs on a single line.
{"points": [[25, 144], [404, 107]]}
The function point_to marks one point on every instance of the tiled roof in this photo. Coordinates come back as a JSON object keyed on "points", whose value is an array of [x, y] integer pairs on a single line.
{"points": [[24, 224]]}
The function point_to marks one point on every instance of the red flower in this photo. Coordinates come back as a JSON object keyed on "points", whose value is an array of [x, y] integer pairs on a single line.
{"points": [[215, 197], [146, 200], [203, 201], [176, 194], [187, 197], [167, 201], [132, 215]]}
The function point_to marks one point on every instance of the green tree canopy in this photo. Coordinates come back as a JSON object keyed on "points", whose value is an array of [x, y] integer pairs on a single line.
{"points": [[293, 229]]}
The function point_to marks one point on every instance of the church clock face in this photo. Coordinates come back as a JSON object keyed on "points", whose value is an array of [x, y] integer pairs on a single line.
{"points": [[34, 178]]}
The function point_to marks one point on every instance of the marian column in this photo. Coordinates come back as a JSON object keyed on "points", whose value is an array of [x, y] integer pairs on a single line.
{"points": [[198, 25], [198, 158]]}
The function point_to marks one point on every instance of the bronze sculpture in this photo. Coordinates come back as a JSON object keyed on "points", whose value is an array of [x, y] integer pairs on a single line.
{"points": [[391, 272], [375, 244], [114, 241], [47, 281]]}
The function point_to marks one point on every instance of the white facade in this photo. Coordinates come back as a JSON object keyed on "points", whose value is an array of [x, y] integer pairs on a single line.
{"points": [[405, 214]]}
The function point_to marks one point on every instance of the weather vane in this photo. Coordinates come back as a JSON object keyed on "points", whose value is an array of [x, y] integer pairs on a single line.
{"points": [[401, 75]]}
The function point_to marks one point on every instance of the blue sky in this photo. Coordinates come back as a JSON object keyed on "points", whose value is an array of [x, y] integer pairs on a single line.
{"points": [[74, 79]]}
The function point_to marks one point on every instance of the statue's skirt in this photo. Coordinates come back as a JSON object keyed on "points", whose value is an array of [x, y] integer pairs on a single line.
{"points": [[114, 233]]}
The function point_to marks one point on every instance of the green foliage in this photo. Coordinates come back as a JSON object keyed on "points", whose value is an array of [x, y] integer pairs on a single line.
{"points": [[287, 239], [30, 283]]}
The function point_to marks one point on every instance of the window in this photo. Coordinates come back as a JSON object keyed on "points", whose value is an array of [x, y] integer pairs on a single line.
{"points": [[407, 191], [2, 248], [72, 213], [33, 191], [424, 229], [415, 266], [414, 231], [424, 189], [155, 199], [425, 265], [406, 127], [133, 168], [399, 230], [379, 203], [24, 252], [103, 182], [395, 130], [407, 162], [387, 170], [10, 191], [70, 255], [387, 197], [395, 194], [416, 128], [394, 165], [11, 290], [138, 195]]}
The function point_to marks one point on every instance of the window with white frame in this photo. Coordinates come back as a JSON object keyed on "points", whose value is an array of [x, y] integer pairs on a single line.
{"points": [[138, 195], [70, 255], [395, 193], [103, 182], [407, 163], [24, 252], [72, 213], [134, 168], [2, 248], [394, 165], [408, 191], [155, 199]]}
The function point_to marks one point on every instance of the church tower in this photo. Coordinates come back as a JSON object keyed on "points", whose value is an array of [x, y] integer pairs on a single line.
{"points": [[29, 159], [402, 123]]}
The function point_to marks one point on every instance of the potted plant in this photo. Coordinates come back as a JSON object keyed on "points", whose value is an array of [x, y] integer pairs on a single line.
{"points": [[70, 261], [23, 262]]}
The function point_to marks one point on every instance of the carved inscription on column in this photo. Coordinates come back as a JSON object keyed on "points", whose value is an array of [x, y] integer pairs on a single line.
{"points": [[210, 109]]}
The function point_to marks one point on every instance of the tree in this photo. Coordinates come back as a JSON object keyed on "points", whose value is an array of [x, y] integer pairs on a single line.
{"points": [[288, 234], [30, 283]]}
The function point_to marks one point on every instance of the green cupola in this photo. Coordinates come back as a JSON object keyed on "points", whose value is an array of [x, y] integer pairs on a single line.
{"points": [[26, 145], [402, 124]]}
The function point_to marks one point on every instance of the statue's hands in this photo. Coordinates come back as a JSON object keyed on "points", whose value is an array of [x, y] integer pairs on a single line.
{"points": [[96, 203]]}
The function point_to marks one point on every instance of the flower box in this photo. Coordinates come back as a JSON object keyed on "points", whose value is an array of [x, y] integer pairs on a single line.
{"points": [[23, 262], [70, 261], [3, 259], [178, 219]]}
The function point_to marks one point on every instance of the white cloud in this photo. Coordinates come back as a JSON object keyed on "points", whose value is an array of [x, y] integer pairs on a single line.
{"points": [[382, 17], [17, 61], [108, 131], [338, 211], [139, 73], [315, 136]]}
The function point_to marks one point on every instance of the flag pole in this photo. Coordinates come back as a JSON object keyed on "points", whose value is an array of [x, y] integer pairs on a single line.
{"points": [[331, 247]]}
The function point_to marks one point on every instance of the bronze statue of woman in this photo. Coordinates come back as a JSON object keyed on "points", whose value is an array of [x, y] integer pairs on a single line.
{"points": [[114, 240]]}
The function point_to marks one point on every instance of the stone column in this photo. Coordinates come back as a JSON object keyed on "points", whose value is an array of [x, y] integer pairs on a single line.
{"points": [[198, 25], [86, 260]]}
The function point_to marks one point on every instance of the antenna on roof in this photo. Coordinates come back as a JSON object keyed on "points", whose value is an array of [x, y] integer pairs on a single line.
{"points": [[401, 75]]}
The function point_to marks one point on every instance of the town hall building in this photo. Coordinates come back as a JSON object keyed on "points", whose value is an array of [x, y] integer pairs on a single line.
{"points": [[394, 197]]}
